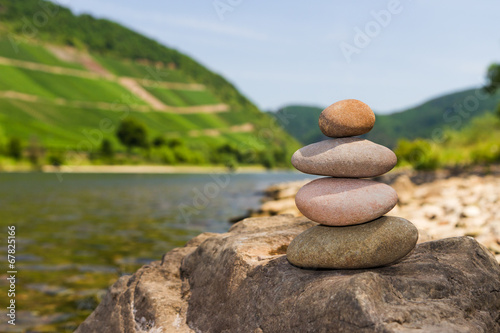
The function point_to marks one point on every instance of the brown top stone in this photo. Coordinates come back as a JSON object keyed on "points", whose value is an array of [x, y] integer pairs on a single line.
{"points": [[349, 117]]}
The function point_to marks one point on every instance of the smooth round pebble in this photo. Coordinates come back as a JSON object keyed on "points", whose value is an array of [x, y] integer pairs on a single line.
{"points": [[349, 117], [372, 244], [345, 201], [344, 157]]}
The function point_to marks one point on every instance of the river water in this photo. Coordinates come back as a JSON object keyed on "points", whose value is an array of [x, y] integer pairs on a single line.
{"points": [[75, 237]]}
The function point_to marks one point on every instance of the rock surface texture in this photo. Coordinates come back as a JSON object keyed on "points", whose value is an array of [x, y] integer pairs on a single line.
{"points": [[241, 281]]}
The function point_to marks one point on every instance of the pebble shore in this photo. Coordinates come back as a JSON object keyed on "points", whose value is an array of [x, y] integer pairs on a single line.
{"points": [[441, 204]]}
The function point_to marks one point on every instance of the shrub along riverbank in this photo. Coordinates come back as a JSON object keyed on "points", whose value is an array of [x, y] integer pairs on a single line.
{"points": [[476, 143], [133, 145]]}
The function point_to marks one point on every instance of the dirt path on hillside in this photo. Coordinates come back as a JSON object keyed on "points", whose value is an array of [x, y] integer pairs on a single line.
{"points": [[76, 104], [70, 54], [214, 108], [112, 106], [172, 85], [49, 69], [244, 128], [130, 84], [140, 92], [14, 95]]}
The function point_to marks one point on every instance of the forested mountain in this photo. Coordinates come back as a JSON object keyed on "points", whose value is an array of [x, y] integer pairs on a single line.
{"points": [[67, 82], [450, 111]]}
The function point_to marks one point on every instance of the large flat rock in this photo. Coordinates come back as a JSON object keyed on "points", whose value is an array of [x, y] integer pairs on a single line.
{"points": [[241, 281]]}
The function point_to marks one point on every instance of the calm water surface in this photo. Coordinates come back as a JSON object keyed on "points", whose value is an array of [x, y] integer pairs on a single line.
{"points": [[76, 237]]}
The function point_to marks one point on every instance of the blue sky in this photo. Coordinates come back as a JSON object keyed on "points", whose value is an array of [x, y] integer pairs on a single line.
{"points": [[389, 54]]}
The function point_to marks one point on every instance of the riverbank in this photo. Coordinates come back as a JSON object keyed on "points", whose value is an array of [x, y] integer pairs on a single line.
{"points": [[150, 169], [442, 204]]}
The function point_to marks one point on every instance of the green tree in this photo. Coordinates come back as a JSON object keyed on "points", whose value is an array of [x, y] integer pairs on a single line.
{"points": [[493, 82], [3, 142], [132, 133], [268, 161], [36, 152], [175, 142], [493, 78], [231, 164], [168, 156], [159, 141], [107, 151], [418, 153], [56, 159], [15, 148]]}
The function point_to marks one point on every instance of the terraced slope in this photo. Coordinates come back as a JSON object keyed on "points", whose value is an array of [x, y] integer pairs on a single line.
{"points": [[59, 94]]}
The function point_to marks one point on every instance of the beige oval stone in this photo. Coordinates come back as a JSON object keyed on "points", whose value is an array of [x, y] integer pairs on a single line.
{"points": [[344, 157], [349, 117], [345, 201], [377, 243]]}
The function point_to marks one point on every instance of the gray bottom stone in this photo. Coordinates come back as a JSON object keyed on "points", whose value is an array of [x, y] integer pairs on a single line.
{"points": [[372, 244]]}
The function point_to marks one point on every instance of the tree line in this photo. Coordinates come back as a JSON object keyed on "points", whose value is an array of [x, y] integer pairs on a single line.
{"points": [[133, 144]]}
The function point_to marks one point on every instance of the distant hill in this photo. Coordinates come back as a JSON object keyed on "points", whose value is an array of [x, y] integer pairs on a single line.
{"points": [[448, 111], [300, 121], [69, 80]]}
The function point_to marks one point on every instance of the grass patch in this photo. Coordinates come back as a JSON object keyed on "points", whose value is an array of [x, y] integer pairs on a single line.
{"points": [[197, 97], [52, 86], [129, 68], [183, 97], [233, 117], [61, 126], [169, 97], [19, 50]]}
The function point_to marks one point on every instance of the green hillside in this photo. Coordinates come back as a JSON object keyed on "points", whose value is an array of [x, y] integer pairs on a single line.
{"points": [[129, 68], [77, 73], [451, 111], [31, 52], [53, 86], [300, 121], [104, 37], [478, 142], [183, 97]]}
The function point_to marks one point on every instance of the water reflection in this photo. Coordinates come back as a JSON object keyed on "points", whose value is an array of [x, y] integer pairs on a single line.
{"points": [[76, 237]]}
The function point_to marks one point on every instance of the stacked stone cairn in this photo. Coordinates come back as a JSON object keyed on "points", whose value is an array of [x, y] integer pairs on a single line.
{"points": [[352, 231]]}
